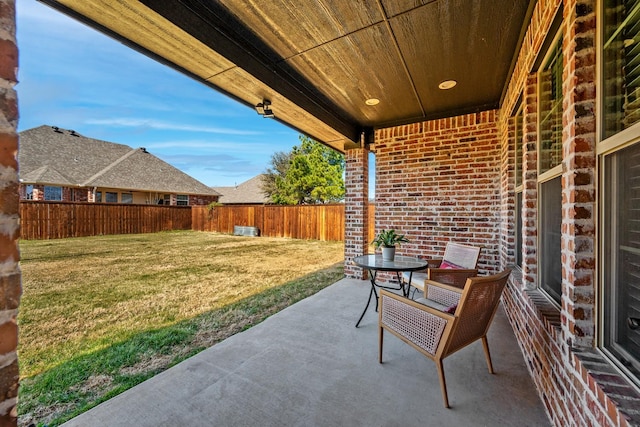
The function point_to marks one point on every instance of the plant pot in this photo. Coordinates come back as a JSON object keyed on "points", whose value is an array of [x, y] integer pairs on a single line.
{"points": [[388, 253]]}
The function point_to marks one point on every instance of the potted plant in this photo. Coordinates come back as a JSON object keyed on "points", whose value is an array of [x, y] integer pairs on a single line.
{"points": [[387, 240]]}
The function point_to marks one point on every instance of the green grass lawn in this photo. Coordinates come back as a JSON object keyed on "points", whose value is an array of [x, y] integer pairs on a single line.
{"points": [[101, 314]]}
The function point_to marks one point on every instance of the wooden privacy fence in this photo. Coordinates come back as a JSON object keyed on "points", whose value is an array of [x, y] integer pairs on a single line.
{"points": [[319, 222], [56, 220]]}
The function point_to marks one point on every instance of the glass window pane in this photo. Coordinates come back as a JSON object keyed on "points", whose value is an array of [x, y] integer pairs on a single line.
{"points": [[52, 193], [621, 65], [550, 233], [550, 81], [182, 200], [127, 198], [622, 269], [98, 196], [111, 197]]}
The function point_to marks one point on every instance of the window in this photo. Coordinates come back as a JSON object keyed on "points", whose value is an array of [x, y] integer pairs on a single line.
{"points": [[622, 253], [550, 99], [621, 73], [182, 200], [98, 196], [126, 198], [29, 192], [52, 193], [550, 232], [620, 183], [111, 197], [549, 172], [167, 199]]}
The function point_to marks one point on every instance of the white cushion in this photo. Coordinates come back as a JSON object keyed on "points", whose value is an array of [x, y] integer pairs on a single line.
{"points": [[417, 279], [433, 304]]}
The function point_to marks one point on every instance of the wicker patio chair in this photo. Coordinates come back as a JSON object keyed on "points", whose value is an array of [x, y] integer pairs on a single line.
{"points": [[458, 263], [447, 320]]}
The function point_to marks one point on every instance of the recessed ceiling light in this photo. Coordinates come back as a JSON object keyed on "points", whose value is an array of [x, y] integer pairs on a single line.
{"points": [[447, 84], [372, 101]]}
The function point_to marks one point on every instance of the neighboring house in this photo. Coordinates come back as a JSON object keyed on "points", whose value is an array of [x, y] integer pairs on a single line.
{"points": [[248, 193], [60, 164]]}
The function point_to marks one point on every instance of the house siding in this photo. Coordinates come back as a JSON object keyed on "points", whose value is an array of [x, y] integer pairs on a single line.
{"points": [[453, 179], [10, 286]]}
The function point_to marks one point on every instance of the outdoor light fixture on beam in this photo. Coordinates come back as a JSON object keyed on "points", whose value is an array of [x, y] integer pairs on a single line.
{"points": [[264, 109]]}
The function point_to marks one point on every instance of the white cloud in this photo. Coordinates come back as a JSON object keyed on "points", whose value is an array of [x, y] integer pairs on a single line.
{"points": [[155, 124]]}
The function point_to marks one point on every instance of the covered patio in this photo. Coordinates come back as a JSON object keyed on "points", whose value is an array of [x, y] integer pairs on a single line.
{"points": [[309, 366], [512, 125]]}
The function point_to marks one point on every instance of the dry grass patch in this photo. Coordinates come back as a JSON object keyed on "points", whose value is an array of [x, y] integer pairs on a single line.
{"points": [[101, 314]]}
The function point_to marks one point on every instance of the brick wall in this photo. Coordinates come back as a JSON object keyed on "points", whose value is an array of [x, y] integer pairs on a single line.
{"points": [[356, 199], [578, 386], [10, 287], [439, 181]]}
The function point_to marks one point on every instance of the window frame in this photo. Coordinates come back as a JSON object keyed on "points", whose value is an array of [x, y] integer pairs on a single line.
{"points": [[110, 193], [552, 173], [607, 146], [45, 193], [129, 196], [182, 200]]}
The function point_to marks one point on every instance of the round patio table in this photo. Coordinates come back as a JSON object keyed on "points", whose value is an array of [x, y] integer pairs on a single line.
{"points": [[375, 263]]}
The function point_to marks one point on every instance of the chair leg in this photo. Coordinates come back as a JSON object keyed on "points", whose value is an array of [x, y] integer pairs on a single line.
{"points": [[487, 355], [380, 335], [443, 383]]}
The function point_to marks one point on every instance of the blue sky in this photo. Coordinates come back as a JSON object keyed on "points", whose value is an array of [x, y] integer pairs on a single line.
{"points": [[73, 77]]}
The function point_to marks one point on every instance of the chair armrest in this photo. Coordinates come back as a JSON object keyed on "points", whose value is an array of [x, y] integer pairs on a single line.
{"points": [[413, 322], [451, 276], [433, 262], [445, 295]]}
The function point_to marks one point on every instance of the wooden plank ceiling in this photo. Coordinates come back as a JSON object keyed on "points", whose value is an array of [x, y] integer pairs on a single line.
{"points": [[318, 61]]}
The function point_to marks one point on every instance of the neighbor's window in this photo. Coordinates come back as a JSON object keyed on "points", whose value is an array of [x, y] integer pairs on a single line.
{"points": [[620, 183], [549, 177], [29, 192], [98, 196], [550, 124], [126, 198], [621, 70], [52, 193], [111, 197], [182, 200]]}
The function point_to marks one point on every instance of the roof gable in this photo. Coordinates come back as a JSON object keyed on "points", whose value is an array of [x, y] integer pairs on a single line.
{"points": [[249, 191], [50, 155]]}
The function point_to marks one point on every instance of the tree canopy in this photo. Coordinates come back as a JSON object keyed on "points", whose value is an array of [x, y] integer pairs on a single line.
{"points": [[309, 174]]}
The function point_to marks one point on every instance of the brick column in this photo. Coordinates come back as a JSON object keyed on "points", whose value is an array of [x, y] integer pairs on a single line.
{"points": [[530, 184], [579, 176], [356, 201], [10, 288]]}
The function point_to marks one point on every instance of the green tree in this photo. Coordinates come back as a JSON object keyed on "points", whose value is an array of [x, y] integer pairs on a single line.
{"points": [[311, 173]]}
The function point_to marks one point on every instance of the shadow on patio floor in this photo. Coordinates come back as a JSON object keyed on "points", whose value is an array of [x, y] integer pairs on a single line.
{"points": [[309, 366]]}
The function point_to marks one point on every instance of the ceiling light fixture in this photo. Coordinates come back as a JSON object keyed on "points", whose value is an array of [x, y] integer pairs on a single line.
{"points": [[264, 109], [372, 101], [447, 84]]}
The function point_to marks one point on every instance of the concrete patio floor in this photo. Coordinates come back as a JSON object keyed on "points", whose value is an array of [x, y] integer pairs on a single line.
{"points": [[309, 366]]}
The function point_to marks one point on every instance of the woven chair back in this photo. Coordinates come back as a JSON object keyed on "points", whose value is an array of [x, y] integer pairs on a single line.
{"points": [[478, 304], [462, 255]]}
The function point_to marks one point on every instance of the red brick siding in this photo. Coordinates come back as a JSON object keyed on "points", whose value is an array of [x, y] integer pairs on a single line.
{"points": [[356, 200], [10, 287], [578, 386], [439, 181]]}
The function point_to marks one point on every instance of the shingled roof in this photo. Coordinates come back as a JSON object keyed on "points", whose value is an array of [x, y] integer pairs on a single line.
{"points": [[54, 156], [249, 192]]}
